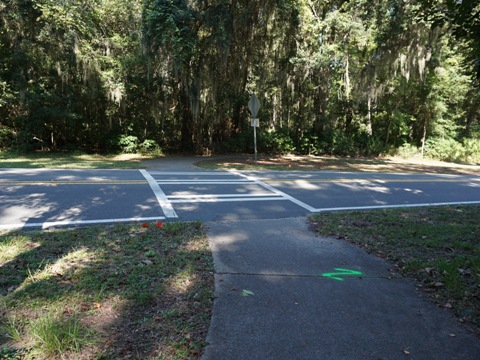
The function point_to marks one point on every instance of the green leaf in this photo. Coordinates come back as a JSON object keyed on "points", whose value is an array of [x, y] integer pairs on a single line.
{"points": [[247, 293]]}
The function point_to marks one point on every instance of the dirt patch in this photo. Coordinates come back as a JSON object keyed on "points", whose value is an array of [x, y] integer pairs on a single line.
{"points": [[321, 163]]}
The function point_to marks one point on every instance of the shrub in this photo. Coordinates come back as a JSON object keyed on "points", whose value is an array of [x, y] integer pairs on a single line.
{"points": [[238, 143], [447, 149], [343, 144], [149, 146], [309, 145], [471, 151], [7, 136], [408, 151], [442, 149], [276, 142], [128, 144]]}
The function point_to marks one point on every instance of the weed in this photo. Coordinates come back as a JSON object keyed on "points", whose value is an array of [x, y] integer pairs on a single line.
{"points": [[173, 228], [12, 328], [170, 313], [55, 335], [100, 294], [150, 254], [7, 353]]}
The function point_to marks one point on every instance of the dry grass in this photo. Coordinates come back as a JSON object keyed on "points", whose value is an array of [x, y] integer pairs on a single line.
{"points": [[115, 292], [321, 163]]}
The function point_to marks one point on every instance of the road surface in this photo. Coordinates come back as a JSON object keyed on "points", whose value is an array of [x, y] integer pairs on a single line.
{"points": [[45, 198]]}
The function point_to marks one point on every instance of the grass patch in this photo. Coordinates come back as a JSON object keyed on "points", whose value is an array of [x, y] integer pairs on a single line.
{"points": [[438, 246], [122, 291], [75, 160], [54, 334]]}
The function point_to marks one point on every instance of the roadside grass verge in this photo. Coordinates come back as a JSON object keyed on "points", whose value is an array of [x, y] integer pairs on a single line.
{"points": [[80, 160], [74, 160], [439, 247], [140, 291]]}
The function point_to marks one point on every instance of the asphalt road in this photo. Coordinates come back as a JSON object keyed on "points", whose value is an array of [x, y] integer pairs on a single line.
{"points": [[46, 198]]}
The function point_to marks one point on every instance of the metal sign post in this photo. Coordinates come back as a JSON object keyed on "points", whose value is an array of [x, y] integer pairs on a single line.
{"points": [[254, 106], [254, 123]]}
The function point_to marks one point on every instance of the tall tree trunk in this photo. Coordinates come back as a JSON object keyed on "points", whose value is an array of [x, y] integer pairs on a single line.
{"points": [[424, 136], [369, 115], [347, 78]]}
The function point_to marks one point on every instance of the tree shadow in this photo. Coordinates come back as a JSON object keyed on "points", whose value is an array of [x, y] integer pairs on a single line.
{"points": [[319, 163], [69, 202], [139, 292]]}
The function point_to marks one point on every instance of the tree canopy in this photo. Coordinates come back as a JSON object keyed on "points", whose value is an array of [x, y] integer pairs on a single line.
{"points": [[342, 77]]}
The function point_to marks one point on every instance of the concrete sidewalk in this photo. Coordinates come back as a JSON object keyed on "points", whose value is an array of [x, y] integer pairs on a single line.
{"points": [[280, 297]]}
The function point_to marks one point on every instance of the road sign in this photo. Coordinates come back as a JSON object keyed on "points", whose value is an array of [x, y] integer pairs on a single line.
{"points": [[255, 122], [254, 105]]}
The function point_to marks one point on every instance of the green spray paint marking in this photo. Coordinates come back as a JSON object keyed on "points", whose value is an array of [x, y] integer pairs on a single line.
{"points": [[341, 272]]}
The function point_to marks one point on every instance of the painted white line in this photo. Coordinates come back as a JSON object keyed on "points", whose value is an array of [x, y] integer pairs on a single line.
{"points": [[189, 173], [216, 200], [199, 182], [395, 206], [160, 195], [278, 192], [48, 224], [373, 180], [188, 196], [175, 181]]}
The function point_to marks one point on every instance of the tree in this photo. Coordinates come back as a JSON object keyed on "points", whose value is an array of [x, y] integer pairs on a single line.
{"points": [[342, 77], [462, 18]]}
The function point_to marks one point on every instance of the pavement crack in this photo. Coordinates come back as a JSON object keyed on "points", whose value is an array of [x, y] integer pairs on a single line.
{"points": [[313, 276]]}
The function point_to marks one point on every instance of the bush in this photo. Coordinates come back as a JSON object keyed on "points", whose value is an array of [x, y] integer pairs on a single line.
{"points": [[238, 143], [128, 144], [7, 136], [342, 144], [373, 146], [276, 142], [471, 151], [443, 149], [149, 146], [309, 145], [408, 151]]}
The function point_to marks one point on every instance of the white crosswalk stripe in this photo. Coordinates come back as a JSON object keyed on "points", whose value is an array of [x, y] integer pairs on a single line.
{"points": [[208, 187]]}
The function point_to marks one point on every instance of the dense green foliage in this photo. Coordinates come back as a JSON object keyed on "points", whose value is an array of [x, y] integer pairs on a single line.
{"points": [[340, 77]]}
